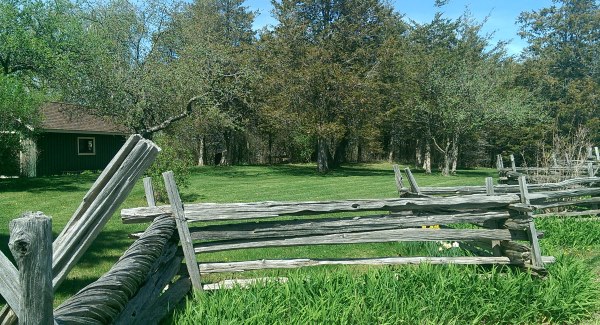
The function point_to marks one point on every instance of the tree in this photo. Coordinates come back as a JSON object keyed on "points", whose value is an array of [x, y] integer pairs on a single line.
{"points": [[461, 86], [562, 63], [18, 119], [38, 41], [319, 64], [124, 74]]}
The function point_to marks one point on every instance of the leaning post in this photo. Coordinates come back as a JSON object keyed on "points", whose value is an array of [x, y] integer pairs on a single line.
{"points": [[31, 244], [536, 255]]}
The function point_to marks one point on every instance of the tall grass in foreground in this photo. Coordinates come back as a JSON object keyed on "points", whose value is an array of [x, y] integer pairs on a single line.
{"points": [[424, 294]]}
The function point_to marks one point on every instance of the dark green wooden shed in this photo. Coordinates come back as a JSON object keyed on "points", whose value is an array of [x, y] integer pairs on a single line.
{"points": [[71, 141]]}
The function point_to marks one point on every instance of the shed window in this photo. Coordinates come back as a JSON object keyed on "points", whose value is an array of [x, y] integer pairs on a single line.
{"points": [[86, 146]]}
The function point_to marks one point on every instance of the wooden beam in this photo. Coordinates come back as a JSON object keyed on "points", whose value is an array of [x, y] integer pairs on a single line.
{"points": [[149, 191], [536, 255], [513, 165], [106, 195], [183, 230], [414, 187], [304, 227], [102, 301], [398, 178], [568, 214], [378, 236], [220, 267], [255, 210], [489, 186], [9, 283], [31, 245]]}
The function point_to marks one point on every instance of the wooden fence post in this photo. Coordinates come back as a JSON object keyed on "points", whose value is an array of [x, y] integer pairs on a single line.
{"points": [[590, 169], [512, 163], [597, 153], [414, 187], [489, 186], [149, 190], [536, 255], [184, 231], [31, 245], [489, 190], [398, 178]]}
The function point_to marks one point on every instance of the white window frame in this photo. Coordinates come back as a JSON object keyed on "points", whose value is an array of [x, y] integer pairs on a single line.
{"points": [[86, 153]]}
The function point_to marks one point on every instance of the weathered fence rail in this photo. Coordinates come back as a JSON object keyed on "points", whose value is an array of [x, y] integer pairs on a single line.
{"points": [[559, 170], [110, 299], [106, 194], [581, 194], [506, 236]]}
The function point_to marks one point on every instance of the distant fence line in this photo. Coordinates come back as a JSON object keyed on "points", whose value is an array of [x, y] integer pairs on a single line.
{"points": [[580, 195], [560, 169]]}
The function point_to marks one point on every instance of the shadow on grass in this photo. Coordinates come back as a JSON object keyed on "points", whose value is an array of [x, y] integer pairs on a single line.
{"points": [[68, 183], [290, 170]]}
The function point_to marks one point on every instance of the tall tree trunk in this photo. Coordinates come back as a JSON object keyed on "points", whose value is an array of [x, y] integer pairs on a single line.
{"points": [[427, 157], [340, 153], [270, 148], [446, 153], [201, 151], [322, 155], [454, 155], [418, 154], [391, 150]]}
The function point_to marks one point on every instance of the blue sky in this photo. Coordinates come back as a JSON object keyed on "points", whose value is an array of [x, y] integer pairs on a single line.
{"points": [[501, 21]]}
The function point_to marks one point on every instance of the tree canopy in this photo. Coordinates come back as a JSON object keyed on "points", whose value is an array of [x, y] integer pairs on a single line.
{"points": [[332, 81]]}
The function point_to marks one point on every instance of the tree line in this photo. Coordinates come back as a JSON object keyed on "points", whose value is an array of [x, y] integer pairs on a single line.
{"points": [[333, 81]]}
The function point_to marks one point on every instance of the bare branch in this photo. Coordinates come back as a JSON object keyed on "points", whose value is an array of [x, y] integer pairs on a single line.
{"points": [[188, 110]]}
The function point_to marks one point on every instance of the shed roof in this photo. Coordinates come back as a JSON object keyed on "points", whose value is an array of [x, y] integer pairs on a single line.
{"points": [[62, 117]]}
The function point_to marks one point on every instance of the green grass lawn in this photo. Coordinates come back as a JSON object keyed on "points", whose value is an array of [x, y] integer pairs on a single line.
{"points": [[59, 197]]}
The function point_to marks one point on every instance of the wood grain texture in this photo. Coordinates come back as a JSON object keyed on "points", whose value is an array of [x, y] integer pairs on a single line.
{"points": [[102, 301], [503, 189], [166, 303], [414, 187], [9, 283], [536, 254], [243, 283], [291, 228], [220, 267], [183, 230], [398, 178], [379, 236], [240, 211], [31, 245], [567, 214], [161, 275], [103, 199], [149, 191]]}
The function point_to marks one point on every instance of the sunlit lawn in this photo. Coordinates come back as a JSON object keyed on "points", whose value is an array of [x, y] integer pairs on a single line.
{"points": [[59, 197]]}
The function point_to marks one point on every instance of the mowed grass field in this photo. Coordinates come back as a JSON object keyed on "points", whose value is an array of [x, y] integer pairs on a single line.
{"points": [[406, 294]]}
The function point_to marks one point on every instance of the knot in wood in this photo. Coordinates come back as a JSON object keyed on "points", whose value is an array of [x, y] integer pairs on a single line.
{"points": [[20, 244]]}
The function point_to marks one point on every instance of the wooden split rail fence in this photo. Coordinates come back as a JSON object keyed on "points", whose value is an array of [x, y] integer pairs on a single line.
{"points": [[560, 169], [508, 234], [132, 292], [568, 198]]}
